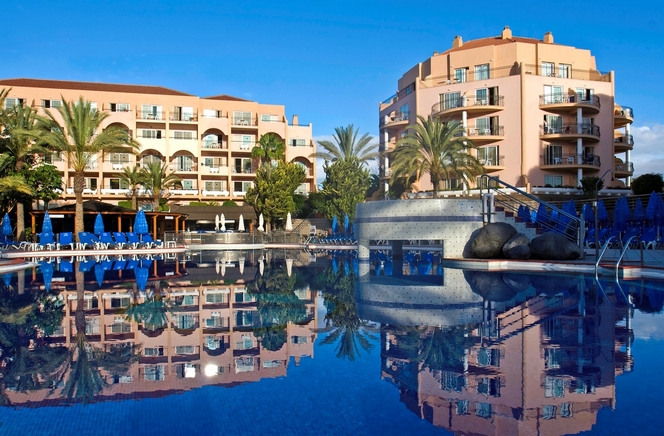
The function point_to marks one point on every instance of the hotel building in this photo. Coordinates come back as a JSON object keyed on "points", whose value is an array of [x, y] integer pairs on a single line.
{"points": [[206, 141], [540, 112]]}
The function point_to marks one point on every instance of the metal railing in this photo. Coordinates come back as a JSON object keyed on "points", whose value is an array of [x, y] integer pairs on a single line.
{"points": [[397, 117], [568, 225], [625, 139], [625, 111], [580, 98], [628, 166], [467, 102], [493, 162], [571, 159], [215, 145], [183, 117], [570, 129], [489, 131]]}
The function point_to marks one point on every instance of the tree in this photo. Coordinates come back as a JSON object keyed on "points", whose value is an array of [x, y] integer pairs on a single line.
{"points": [[346, 183], [591, 185], [157, 181], [647, 183], [437, 148], [273, 190], [134, 178], [19, 144], [270, 149], [81, 140], [348, 147], [45, 182]]}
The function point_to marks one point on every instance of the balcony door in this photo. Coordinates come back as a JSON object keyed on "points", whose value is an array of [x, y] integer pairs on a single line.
{"points": [[553, 94], [488, 156], [554, 155]]}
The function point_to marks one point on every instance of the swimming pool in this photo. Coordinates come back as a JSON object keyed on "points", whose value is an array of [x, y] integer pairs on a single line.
{"points": [[143, 346]]}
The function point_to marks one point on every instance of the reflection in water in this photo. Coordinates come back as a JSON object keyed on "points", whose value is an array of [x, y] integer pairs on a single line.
{"points": [[472, 352]]}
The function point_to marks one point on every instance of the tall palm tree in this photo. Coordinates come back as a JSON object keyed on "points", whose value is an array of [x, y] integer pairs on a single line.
{"points": [[438, 148], [81, 140], [133, 177], [19, 145], [348, 146], [270, 148], [157, 181]]}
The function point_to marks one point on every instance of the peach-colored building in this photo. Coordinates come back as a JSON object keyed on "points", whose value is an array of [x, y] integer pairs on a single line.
{"points": [[541, 112], [206, 141]]}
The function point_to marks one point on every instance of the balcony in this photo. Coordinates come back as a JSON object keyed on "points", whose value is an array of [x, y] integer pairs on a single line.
{"points": [[623, 169], [242, 146], [183, 168], [244, 123], [222, 193], [116, 191], [245, 170], [395, 120], [471, 105], [570, 103], [215, 145], [183, 118], [486, 135], [570, 162], [622, 115], [493, 164], [570, 132], [86, 191], [216, 169], [189, 191], [623, 143], [149, 116]]}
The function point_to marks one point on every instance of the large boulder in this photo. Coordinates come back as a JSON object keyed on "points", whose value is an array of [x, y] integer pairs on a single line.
{"points": [[554, 246], [517, 247], [490, 240], [490, 285]]}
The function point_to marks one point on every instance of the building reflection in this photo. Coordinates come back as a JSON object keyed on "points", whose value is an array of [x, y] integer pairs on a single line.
{"points": [[188, 330], [542, 359]]}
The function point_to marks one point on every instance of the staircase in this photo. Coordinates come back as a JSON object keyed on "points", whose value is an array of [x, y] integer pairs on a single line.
{"points": [[502, 216]]}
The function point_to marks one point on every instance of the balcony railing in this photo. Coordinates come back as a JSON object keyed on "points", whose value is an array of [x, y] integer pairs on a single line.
{"points": [[548, 99], [489, 131], [493, 161], [183, 117], [570, 129], [244, 122], [398, 117], [184, 191], [627, 166], [215, 145], [140, 115], [469, 102], [245, 170], [625, 111], [243, 145], [215, 193], [625, 139], [571, 159]]}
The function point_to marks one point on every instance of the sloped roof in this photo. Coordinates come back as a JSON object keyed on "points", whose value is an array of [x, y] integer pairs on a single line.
{"points": [[91, 86], [95, 206], [225, 97]]}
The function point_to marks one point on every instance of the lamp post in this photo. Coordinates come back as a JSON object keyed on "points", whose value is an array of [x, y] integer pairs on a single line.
{"points": [[596, 217]]}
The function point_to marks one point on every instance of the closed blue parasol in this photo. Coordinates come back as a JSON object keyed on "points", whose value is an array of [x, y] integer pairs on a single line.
{"points": [[99, 225], [654, 209], [335, 224], [6, 226], [602, 214], [542, 214], [99, 274], [588, 214], [47, 227], [621, 214], [346, 224], [638, 215], [140, 223], [141, 274], [7, 280], [47, 274]]}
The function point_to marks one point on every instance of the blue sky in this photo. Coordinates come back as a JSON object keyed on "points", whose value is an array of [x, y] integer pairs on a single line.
{"points": [[329, 62]]}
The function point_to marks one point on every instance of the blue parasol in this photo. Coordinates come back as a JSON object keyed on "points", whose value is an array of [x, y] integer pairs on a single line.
{"points": [[602, 214], [542, 215], [388, 267], [638, 215], [346, 267], [346, 224], [6, 229], [141, 274], [7, 280], [588, 214], [335, 267], [621, 214], [47, 274], [334, 224], [99, 225], [654, 209], [140, 223], [99, 274], [47, 227]]}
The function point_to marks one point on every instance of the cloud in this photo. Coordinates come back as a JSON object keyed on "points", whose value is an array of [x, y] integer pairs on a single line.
{"points": [[647, 154], [320, 174]]}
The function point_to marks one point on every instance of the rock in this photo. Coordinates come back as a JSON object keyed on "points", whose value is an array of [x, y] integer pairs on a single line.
{"points": [[517, 247], [468, 248], [490, 240], [518, 281], [554, 246], [489, 285]]}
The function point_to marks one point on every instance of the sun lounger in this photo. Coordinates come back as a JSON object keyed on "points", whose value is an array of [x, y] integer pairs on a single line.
{"points": [[120, 239], [46, 241], [86, 239], [107, 240], [133, 240], [64, 239], [151, 243]]}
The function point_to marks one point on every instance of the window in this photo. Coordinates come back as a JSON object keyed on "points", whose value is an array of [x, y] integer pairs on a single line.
{"points": [[91, 183], [92, 326], [185, 322], [151, 159], [187, 184], [450, 100], [482, 96], [216, 186], [244, 364], [245, 343], [241, 187], [488, 386], [566, 410], [121, 328], [211, 113], [298, 142], [184, 349], [151, 112], [483, 410], [242, 118], [462, 407], [461, 75], [554, 155], [155, 351], [482, 72], [403, 113], [244, 141], [553, 357], [118, 184], [298, 339], [554, 387], [242, 166], [549, 412], [270, 118], [13, 102], [451, 381], [585, 95], [183, 163], [565, 71], [553, 181], [302, 189], [183, 113], [271, 363], [183, 134], [244, 318], [151, 134], [215, 321], [488, 357], [118, 158], [119, 107], [548, 69], [51, 103], [214, 298], [553, 124], [154, 372], [553, 94], [211, 141]]}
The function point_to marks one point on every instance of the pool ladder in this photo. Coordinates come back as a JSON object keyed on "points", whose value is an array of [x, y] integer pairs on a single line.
{"points": [[620, 258]]}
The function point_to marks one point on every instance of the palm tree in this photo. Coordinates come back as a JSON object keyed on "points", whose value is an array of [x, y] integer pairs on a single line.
{"points": [[270, 148], [133, 177], [81, 140], [348, 146], [18, 145], [157, 181], [438, 148]]}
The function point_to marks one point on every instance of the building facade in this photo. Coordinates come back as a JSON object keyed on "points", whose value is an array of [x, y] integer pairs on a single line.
{"points": [[206, 141], [540, 112]]}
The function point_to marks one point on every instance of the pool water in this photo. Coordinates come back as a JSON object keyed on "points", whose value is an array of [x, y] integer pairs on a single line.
{"points": [[144, 346]]}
